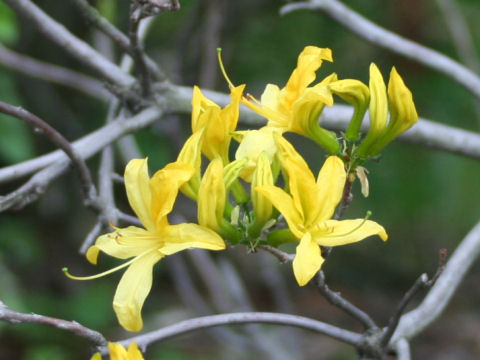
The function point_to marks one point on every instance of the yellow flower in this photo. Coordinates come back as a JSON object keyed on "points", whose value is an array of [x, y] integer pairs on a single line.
{"points": [[356, 93], [261, 205], [151, 199], [191, 154], [212, 197], [403, 114], [297, 107], [309, 207], [118, 352], [218, 123], [252, 144]]}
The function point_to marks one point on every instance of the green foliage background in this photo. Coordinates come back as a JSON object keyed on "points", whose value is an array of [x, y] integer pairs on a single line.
{"points": [[426, 199]]}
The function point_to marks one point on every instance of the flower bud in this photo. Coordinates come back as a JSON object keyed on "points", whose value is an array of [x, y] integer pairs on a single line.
{"points": [[356, 93]]}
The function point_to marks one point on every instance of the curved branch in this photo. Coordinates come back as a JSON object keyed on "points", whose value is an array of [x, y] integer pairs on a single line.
{"points": [[86, 146], [205, 322], [83, 52], [393, 42], [58, 140], [440, 294], [53, 73], [14, 318]]}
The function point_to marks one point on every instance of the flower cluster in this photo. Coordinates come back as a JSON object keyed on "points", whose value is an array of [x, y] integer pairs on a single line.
{"points": [[240, 200]]}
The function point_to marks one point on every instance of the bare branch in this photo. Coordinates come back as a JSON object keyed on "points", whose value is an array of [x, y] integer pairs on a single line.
{"points": [[419, 284], [86, 146], [282, 256], [393, 42], [136, 48], [53, 73], [33, 188], [83, 52], [205, 322], [74, 327], [445, 287], [402, 348], [337, 300], [57, 139], [93, 16]]}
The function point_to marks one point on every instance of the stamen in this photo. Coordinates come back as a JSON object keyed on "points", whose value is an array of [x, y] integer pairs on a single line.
{"points": [[73, 277], [250, 97], [222, 68], [367, 216]]}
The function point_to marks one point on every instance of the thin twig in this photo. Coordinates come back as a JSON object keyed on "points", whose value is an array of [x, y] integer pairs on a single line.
{"points": [[282, 256], [422, 282], [129, 219], [393, 42], [88, 145], [402, 348], [53, 73], [136, 47], [337, 300], [419, 284], [105, 26], [34, 187], [40, 126], [346, 200], [443, 290], [204, 322], [83, 52], [74, 327]]}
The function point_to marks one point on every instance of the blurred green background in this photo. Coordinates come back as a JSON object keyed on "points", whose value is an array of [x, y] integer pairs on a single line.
{"points": [[426, 199]]}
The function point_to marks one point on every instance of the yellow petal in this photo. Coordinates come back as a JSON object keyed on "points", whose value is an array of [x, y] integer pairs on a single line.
{"points": [[262, 176], [212, 196], [301, 181], [284, 203], [138, 191], [199, 105], [187, 236], [402, 107], [134, 353], [309, 60], [164, 187], [403, 114], [378, 100], [285, 151], [306, 111], [254, 143], [124, 243], [270, 97], [330, 183], [335, 233], [96, 356], [308, 260], [117, 351], [133, 289]]}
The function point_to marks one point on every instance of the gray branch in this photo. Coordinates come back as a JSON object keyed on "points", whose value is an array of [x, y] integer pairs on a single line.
{"points": [[53, 73], [14, 317], [205, 322], [393, 42], [83, 52], [440, 294]]}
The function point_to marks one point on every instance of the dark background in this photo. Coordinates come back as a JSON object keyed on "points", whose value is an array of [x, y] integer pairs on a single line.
{"points": [[426, 199]]}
